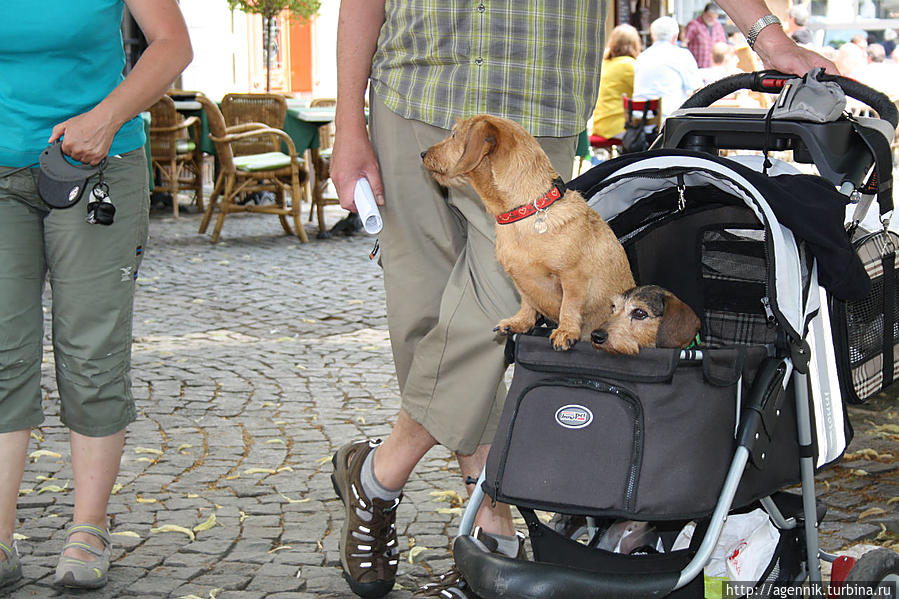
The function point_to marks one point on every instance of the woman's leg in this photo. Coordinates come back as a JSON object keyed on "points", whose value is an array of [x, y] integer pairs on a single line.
{"points": [[95, 465], [13, 447]]}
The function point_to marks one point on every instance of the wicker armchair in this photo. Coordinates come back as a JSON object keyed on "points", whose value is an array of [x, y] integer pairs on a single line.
{"points": [[241, 109], [270, 170], [321, 162], [175, 151]]}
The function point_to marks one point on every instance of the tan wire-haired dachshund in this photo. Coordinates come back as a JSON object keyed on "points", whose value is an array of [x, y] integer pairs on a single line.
{"points": [[564, 259], [646, 316]]}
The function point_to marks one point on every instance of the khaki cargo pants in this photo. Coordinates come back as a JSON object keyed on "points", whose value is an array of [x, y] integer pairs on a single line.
{"points": [[92, 269], [445, 289]]}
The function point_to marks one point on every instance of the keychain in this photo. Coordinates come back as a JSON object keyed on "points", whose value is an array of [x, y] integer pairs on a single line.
{"points": [[100, 210]]}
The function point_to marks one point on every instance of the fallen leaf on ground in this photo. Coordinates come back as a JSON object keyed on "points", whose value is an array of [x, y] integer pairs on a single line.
{"points": [[207, 524], [414, 551], [126, 533], [148, 450], [873, 511], [42, 453], [259, 471], [174, 528]]}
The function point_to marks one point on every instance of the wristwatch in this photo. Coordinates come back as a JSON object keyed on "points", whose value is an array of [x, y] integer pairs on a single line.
{"points": [[757, 28]]}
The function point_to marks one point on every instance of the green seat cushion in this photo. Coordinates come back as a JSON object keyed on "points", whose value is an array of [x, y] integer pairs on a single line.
{"points": [[183, 146], [262, 162]]}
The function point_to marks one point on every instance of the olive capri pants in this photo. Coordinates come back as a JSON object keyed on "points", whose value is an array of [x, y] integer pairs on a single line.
{"points": [[445, 289], [92, 270]]}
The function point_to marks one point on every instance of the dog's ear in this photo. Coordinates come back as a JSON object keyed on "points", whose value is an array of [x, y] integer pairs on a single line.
{"points": [[480, 140], [679, 324]]}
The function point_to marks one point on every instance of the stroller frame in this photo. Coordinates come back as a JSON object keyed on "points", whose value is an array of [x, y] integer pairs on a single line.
{"points": [[494, 575], [517, 577]]}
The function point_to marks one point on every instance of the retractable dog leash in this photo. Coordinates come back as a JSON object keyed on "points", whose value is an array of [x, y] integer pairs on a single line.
{"points": [[61, 184]]}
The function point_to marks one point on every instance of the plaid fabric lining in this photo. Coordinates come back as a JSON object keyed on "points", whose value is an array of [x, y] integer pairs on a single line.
{"points": [[536, 63], [730, 328], [865, 322], [735, 255]]}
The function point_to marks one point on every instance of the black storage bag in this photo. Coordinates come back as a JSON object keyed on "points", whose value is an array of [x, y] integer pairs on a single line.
{"points": [[646, 437], [866, 331]]}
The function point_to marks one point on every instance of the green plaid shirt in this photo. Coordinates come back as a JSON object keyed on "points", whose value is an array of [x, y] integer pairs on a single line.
{"points": [[533, 61]]}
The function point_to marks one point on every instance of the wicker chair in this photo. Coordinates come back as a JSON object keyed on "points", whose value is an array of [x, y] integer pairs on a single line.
{"points": [[270, 170], [241, 109], [175, 151], [321, 162]]}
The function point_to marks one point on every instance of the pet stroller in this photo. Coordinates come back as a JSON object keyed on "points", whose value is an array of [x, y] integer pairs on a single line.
{"points": [[688, 437]]}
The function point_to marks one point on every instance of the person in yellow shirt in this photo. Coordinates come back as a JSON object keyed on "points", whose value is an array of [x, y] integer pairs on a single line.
{"points": [[616, 80]]}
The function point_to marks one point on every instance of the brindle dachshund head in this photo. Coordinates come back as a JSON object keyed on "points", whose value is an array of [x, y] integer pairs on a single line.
{"points": [[646, 316]]}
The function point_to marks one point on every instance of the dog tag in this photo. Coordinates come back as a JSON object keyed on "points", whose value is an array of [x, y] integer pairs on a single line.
{"points": [[540, 222]]}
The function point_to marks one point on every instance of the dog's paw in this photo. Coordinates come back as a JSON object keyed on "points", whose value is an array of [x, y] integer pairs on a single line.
{"points": [[563, 340], [509, 326]]}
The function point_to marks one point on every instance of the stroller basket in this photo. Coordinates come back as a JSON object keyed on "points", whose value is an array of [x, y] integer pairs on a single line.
{"points": [[647, 437]]}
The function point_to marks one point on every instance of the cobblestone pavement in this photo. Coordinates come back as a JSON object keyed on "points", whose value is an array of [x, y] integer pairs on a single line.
{"points": [[255, 359]]}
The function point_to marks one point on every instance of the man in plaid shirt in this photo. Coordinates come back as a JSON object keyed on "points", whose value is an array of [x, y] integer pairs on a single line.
{"points": [[430, 63], [702, 33]]}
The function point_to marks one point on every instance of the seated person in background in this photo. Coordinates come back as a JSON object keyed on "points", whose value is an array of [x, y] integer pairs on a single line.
{"points": [[702, 33], [795, 27], [665, 70], [616, 79], [849, 58], [724, 63], [879, 73]]}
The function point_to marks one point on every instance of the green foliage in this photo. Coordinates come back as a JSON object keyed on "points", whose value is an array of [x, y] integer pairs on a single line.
{"points": [[300, 10]]}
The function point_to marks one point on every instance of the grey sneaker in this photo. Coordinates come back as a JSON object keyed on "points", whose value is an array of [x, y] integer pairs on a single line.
{"points": [[10, 567], [368, 548], [84, 574]]}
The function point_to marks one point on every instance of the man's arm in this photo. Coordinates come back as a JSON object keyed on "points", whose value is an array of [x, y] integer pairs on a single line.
{"points": [[358, 27], [776, 50]]}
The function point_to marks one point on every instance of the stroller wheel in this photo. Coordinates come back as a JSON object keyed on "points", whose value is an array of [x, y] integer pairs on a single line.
{"points": [[877, 569]]}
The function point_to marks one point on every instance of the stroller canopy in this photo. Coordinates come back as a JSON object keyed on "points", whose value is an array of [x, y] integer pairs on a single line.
{"points": [[617, 185]]}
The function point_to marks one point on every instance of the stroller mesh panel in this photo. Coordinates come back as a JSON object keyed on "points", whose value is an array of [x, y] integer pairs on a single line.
{"points": [[734, 271], [866, 335], [711, 255]]}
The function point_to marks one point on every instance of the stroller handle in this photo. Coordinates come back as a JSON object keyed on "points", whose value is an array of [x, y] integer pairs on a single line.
{"points": [[772, 82]]}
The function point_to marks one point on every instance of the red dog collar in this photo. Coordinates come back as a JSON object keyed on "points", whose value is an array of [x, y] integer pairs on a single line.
{"points": [[541, 203]]}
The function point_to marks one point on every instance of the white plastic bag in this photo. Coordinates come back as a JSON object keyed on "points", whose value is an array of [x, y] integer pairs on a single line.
{"points": [[736, 528], [748, 559]]}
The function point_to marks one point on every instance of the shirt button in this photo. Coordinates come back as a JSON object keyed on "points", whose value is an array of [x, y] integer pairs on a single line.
{"points": [[478, 61], [481, 7]]}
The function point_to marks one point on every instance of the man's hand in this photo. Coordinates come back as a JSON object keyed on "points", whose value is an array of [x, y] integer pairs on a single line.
{"points": [[780, 53], [353, 158]]}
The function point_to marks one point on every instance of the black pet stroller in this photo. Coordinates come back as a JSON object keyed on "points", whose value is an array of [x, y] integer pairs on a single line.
{"points": [[695, 435]]}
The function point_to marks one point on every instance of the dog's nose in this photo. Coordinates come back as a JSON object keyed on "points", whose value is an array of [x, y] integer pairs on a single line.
{"points": [[599, 336], [423, 154]]}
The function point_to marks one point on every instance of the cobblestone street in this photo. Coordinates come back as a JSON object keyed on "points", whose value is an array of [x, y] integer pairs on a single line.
{"points": [[254, 360]]}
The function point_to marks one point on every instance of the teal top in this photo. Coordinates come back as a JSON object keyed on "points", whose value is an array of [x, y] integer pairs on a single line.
{"points": [[58, 59]]}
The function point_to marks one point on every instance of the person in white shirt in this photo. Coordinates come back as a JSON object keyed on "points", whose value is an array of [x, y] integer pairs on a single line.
{"points": [[879, 73], [665, 70]]}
